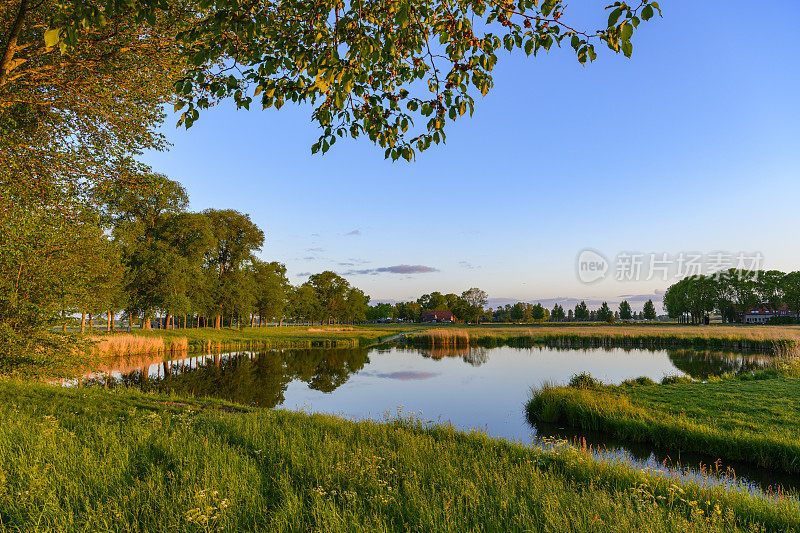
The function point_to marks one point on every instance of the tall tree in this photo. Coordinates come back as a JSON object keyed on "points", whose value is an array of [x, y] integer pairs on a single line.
{"points": [[162, 246], [581, 311], [331, 290], [604, 314], [649, 310], [790, 287], [625, 312], [236, 238], [270, 289], [474, 302], [356, 304]]}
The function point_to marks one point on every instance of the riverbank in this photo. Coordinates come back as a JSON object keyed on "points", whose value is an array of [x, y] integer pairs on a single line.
{"points": [[753, 418], [92, 459], [194, 339], [774, 340]]}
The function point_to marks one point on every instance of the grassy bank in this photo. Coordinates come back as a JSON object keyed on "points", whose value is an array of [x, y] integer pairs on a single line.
{"points": [[268, 337], [96, 460], [778, 340], [92, 351], [751, 418]]}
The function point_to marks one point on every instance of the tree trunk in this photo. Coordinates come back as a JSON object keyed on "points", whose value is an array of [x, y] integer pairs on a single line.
{"points": [[166, 322], [11, 47], [91, 325], [218, 322], [109, 326]]}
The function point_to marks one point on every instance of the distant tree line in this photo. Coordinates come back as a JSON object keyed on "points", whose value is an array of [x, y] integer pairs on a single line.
{"points": [[732, 293], [470, 306]]}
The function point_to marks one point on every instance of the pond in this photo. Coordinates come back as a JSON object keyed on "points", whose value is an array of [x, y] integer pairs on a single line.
{"points": [[470, 388]]}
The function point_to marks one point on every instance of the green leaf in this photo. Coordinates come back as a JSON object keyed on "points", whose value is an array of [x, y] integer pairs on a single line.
{"points": [[626, 32], [402, 16], [647, 12], [614, 17], [51, 37]]}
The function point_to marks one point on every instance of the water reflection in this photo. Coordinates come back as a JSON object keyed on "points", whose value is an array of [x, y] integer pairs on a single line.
{"points": [[471, 388], [704, 364], [690, 466], [250, 378]]}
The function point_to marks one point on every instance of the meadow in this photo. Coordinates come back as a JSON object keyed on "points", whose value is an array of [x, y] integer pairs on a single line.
{"points": [[97, 460], [753, 418]]}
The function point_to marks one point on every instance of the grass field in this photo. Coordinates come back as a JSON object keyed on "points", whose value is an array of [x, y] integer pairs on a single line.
{"points": [[752, 418], [778, 340], [98, 460]]}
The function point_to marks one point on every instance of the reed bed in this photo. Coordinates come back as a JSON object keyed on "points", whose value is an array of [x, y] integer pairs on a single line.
{"points": [[127, 461], [121, 345], [782, 341]]}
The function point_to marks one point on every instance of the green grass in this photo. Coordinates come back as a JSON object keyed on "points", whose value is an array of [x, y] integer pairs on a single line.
{"points": [[752, 418], [97, 460]]}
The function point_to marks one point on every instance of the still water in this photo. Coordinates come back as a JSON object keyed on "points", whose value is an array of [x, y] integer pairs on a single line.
{"points": [[470, 388]]}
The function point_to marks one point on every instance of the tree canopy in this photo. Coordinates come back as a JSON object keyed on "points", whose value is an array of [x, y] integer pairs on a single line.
{"points": [[394, 71]]}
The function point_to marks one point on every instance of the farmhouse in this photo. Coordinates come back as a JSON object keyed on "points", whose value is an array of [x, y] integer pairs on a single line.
{"points": [[437, 316], [761, 315]]}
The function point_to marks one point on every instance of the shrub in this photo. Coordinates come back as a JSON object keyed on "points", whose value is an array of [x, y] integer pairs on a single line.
{"points": [[584, 381]]}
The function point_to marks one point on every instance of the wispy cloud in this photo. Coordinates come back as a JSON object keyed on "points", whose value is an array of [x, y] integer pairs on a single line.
{"points": [[354, 232], [315, 249], [396, 269], [467, 265]]}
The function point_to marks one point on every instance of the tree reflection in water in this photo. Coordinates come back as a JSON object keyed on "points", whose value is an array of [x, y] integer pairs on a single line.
{"points": [[250, 378], [704, 364]]}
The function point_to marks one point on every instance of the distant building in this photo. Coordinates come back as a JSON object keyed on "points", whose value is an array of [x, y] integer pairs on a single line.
{"points": [[438, 316], [762, 314]]}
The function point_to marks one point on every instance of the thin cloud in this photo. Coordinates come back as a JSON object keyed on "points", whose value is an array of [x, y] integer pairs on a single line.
{"points": [[396, 269], [315, 249], [354, 232]]}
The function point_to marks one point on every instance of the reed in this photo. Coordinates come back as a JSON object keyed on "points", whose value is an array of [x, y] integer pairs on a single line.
{"points": [[124, 345], [441, 337]]}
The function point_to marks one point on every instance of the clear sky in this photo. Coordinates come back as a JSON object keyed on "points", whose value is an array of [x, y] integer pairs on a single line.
{"points": [[693, 145]]}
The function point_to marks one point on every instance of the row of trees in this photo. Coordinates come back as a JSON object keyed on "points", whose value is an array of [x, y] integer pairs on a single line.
{"points": [[467, 307], [470, 307], [731, 294], [151, 257]]}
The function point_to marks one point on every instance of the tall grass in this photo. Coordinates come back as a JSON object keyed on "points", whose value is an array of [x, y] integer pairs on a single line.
{"points": [[441, 337], [89, 460], [735, 419], [119, 345]]}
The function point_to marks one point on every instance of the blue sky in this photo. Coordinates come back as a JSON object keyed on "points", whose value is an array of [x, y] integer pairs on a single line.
{"points": [[693, 145]]}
